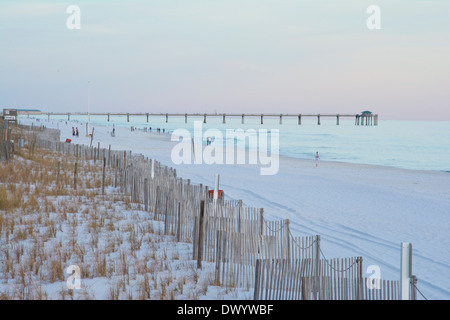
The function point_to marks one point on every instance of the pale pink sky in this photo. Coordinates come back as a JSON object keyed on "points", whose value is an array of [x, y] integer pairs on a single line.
{"points": [[274, 56]]}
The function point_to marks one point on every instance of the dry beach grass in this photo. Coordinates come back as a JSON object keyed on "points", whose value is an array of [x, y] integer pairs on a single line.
{"points": [[47, 224]]}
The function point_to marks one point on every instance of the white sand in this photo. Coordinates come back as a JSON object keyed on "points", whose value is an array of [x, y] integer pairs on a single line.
{"points": [[358, 210]]}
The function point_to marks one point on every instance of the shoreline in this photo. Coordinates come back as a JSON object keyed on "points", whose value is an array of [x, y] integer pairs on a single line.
{"points": [[167, 138]]}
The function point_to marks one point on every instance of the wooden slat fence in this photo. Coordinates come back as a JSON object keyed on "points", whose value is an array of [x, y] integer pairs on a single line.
{"points": [[248, 251], [336, 279]]}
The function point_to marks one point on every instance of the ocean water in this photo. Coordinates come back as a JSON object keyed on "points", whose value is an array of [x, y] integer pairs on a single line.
{"points": [[416, 145]]}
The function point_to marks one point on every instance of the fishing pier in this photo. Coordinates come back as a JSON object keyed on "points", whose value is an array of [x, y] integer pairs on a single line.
{"points": [[366, 118]]}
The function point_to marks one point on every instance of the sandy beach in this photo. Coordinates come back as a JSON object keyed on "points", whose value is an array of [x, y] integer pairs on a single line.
{"points": [[358, 210]]}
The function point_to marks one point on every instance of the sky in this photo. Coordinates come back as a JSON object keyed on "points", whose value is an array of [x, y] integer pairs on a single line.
{"points": [[233, 56]]}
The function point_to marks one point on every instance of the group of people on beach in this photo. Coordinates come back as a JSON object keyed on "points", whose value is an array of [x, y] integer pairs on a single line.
{"points": [[159, 130], [75, 132]]}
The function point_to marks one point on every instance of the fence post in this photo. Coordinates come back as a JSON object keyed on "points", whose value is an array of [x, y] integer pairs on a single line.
{"points": [[153, 169], [137, 194], [414, 288], [57, 176], [288, 238], [166, 216], [179, 223], [109, 156], [216, 187], [125, 181], [146, 194], [158, 191], [317, 254], [103, 177], [257, 280], [75, 176], [239, 215], [132, 186], [406, 270], [316, 266], [218, 256], [195, 239], [360, 282], [200, 235], [261, 216]]}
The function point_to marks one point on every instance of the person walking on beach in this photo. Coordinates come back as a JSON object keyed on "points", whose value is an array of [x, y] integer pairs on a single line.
{"points": [[317, 158], [77, 133], [73, 131]]}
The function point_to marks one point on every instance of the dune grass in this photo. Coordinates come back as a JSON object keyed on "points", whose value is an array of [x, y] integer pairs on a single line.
{"points": [[47, 225]]}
